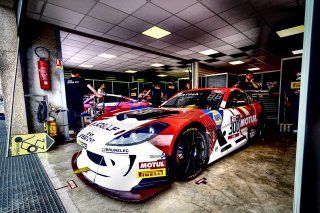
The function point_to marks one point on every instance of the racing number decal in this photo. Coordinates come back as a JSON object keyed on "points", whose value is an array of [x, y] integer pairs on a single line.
{"points": [[214, 96], [235, 125]]}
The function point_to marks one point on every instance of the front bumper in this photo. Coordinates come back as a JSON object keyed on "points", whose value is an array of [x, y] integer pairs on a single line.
{"points": [[124, 176]]}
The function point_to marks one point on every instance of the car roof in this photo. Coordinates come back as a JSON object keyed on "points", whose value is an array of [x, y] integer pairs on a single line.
{"points": [[216, 88]]}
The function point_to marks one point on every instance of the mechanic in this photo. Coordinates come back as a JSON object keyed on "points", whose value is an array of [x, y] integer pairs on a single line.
{"points": [[188, 86], [248, 83], [157, 95], [171, 88], [101, 90], [75, 90], [145, 94]]}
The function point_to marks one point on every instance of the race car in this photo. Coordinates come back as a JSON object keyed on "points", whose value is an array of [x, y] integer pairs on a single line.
{"points": [[132, 155], [110, 102]]}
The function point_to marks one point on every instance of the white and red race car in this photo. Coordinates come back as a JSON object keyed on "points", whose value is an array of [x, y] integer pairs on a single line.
{"points": [[131, 155]]}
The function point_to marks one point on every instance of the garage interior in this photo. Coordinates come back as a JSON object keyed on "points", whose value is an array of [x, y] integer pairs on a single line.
{"points": [[210, 43]]}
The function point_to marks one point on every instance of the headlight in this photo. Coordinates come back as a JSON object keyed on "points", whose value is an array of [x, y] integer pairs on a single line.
{"points": [[139, 135]]}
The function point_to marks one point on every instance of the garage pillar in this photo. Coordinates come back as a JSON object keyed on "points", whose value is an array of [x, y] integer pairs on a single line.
{"points": [[8, 57], [307, 178], [195, 74]]}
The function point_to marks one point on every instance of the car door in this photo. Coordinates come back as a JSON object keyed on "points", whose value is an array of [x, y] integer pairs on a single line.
{"points": [[236, 118]]}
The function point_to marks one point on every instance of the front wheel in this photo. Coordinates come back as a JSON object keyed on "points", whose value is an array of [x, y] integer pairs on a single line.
{"points": [[190, 154]]}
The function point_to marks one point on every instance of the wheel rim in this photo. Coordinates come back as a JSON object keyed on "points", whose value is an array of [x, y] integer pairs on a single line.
{"points": [[191, 152]]}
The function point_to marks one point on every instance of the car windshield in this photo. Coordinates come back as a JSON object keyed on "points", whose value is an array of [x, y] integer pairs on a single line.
{"points": [[202, 99]]}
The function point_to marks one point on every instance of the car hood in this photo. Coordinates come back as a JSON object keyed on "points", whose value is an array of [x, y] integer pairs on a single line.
{"points": [[100, 132]]}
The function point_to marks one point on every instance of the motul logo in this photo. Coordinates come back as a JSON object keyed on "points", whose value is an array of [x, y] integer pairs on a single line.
{"points": [[152, 164], [248, 120]]}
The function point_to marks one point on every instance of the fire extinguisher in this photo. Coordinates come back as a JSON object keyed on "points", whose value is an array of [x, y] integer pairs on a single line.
{"points": [[50, 126], [43, 67]]}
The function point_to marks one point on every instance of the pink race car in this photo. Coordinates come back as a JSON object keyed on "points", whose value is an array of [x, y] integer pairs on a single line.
{"points": [[112, 102]]}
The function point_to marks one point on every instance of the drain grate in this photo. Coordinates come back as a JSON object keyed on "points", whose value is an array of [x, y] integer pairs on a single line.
{"points": [[24, 184]]}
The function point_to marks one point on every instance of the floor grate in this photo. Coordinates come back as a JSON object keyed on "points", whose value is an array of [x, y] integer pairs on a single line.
{"points": [[24, 184]]}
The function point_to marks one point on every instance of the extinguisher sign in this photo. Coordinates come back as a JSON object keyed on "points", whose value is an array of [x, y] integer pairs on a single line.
{"points": [[59, 64]]}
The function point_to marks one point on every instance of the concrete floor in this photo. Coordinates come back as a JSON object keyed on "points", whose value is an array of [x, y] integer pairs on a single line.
{"points": [[257, 178]]}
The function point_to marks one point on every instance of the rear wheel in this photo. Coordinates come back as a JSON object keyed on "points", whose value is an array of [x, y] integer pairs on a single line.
{"points": [[189, 154]]}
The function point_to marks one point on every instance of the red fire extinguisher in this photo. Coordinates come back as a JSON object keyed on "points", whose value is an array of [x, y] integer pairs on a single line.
{"points": [[43, 67]]}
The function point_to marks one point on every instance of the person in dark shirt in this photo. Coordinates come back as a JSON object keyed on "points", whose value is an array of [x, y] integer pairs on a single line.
{"points": [[75, 90], [248, 83], [171, 89], [157, 95]]}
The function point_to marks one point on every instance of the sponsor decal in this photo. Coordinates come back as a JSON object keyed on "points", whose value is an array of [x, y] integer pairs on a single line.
{"points": [[73, 82], [237, 124], [217, 117], [189, 94], [152, 164], [162, 156], [87, 137], [115, 150], [215, 96], [233, 136], [252, 133], [234, 125], [190, 129], [151, 173], [248, 120], [82, 144], [235, 118], [108, 127], [295, 85]]}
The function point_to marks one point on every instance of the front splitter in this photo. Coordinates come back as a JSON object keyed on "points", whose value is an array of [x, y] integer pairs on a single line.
{"points": [[128, 196]]}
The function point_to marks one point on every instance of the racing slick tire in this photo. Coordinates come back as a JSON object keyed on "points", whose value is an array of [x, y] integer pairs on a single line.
{"points": [[190, 154]]}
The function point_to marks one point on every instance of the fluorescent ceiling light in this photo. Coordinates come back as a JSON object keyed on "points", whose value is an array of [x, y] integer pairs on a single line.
{"points": [[296, 52], [162, 75], [253, 68], [208, 52], [105, 55], [236, 62], [85, 65], [157, 65], [185, 70], [290, 31], [131, 71], [156, 32]]}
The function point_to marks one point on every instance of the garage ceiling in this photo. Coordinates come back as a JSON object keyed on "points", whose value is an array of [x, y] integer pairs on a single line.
{"points": [[237, 29]]}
